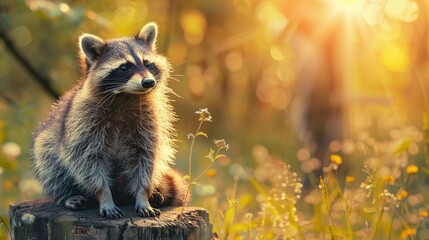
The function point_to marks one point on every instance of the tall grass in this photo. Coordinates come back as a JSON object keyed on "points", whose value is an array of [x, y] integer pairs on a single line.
{"points": [[386, 201]]}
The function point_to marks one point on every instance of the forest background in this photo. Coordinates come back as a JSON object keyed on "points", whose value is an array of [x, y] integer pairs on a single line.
{"points": [[294, 87]]}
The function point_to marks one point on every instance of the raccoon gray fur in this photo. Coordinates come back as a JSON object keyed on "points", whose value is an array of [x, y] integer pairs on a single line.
{"points": [[110, 138]]}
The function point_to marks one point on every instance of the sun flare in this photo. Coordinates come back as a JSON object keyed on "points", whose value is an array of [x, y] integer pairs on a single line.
{"points": [[347, 6]]}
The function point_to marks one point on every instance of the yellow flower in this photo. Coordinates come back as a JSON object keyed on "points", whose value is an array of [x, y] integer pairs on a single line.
{"points": [[424, 213], [350, 179], [412, 169], [7, 184], [336, 159], [402, 194], [408, 233], [389, 180], [211, 172], [186, 178]]}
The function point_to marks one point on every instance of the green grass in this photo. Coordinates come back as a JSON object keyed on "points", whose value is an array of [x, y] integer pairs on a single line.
{"points": [[386, 199]]}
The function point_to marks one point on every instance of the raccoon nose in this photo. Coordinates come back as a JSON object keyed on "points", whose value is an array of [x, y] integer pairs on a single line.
{"points": [[148, 83]]}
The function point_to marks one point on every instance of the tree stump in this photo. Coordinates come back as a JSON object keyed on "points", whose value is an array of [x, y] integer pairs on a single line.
{"points": [[41, 219]]}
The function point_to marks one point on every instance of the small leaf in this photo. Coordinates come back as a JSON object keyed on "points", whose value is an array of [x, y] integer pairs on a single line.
{"points": [[403, 146], [232, 202], [186, 177], [202, 134], [210, 156], [219, 156]]}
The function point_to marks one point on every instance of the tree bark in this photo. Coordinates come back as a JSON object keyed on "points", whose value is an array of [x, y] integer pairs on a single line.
{"points": [[41, 219]]}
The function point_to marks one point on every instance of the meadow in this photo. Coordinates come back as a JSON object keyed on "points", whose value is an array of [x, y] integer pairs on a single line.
{"points": [[297, 119]]}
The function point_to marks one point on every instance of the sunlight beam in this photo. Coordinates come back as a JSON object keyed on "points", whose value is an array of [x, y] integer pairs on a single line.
{"points": [[347, 6]]}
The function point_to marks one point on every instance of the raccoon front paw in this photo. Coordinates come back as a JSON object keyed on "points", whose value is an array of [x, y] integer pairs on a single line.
{"points": [[111, 212], [147, 212], [75, 203]]}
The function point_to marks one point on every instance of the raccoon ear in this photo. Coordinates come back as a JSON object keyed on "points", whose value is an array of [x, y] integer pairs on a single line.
{"points": [[91, 46], [148, 34]]}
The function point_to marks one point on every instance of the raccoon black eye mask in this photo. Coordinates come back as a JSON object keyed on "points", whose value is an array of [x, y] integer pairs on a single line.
{"points": [[109, 140]]}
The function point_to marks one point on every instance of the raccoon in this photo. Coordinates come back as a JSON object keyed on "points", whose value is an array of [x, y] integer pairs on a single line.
{"points": [[110, 139]]}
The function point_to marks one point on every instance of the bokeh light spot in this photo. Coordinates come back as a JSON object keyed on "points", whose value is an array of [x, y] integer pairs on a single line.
{"points": [[277, 53], [197, 86], [394, 57], [234, 61], [303, 154], [177, 52], [64, 7], [372, 13], [266, 11], [11, 149], [124, 18], [194, 24], [21, 36], [404, 10], [413, 149], [335, 146]]}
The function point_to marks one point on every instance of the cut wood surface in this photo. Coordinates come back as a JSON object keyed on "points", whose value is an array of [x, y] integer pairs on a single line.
{"points": [[40, 219]]}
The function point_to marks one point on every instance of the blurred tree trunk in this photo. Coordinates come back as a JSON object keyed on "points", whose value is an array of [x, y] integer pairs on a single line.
{"points": [[318, 107]]}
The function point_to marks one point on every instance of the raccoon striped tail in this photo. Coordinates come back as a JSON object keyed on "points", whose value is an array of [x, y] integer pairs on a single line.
{"points": [[171, 191]]}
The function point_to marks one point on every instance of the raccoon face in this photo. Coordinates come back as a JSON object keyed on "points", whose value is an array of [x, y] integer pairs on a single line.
{"points": [[124, 65]]}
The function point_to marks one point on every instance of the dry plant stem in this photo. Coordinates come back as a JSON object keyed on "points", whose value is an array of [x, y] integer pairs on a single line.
{"points": [[391, 224], [249, 229], [208, 167], [193, 180], [190, 165], [233, 195], [377, 224], [186, 196], [349, 227], [192, 149], [325, 198]]}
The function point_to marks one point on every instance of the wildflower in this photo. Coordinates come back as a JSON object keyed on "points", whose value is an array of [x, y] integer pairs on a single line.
{"points": [[412, 169], [410, 232], [7, 184], [204, 115], [336, 159], [211, 172], [424, 213], [402, 194], [221, 144], [389, 180], [350, 179], [186, 178], [28, 218]]}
